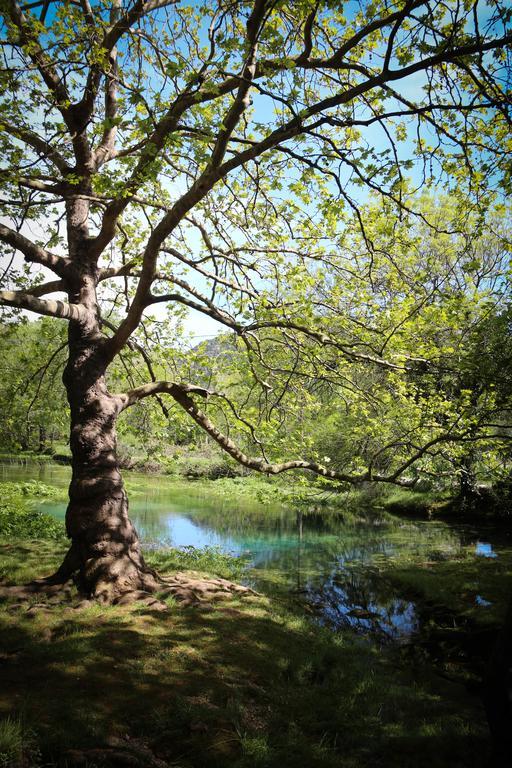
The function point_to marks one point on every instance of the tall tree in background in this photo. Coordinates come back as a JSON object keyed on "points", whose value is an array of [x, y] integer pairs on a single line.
{"points": [[180, 154]]}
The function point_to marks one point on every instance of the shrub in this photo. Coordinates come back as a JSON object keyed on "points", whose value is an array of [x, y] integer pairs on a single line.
{"points": [[19, 519]]}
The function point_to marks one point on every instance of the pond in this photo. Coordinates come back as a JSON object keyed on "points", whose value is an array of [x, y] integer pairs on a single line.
{"points": [[330, 561]]}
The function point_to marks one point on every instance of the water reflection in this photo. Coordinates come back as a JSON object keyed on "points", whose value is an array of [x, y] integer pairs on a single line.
{"points": [[331, 562], [484, 549], [481, 601]]}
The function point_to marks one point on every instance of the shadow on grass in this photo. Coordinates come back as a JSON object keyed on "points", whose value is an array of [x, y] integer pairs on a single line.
{"points": [[238, 685]]}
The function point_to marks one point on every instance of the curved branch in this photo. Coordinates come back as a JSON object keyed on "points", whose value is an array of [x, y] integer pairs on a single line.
{"points": [[43, 147], [33, 252], [181, 394], [133, 396]]}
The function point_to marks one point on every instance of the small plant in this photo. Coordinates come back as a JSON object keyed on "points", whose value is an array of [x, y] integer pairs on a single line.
{"points": [[208, 559], [19, 519], [36, 489], [255, 749], [11, 742], [17, 748]]}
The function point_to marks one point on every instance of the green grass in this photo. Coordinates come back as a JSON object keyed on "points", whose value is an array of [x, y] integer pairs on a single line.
{"points": [[18, 517], [208, 560], [245, 684], [404, 500], [11, 741], [18, 747]]}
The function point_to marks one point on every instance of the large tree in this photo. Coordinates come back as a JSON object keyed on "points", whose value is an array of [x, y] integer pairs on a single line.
{"points": [[165, 152]]}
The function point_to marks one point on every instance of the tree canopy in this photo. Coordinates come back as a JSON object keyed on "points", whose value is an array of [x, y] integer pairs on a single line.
{"points": [[261, 163]]}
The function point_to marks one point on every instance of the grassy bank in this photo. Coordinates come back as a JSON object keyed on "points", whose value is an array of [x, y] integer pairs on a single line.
{"points": [[241, 684], [209, 474]]}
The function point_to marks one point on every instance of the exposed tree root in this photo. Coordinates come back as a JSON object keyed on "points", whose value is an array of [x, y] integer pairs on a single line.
{"points": [[187, 589], [194, 590], [116, 752], [39, 587]]}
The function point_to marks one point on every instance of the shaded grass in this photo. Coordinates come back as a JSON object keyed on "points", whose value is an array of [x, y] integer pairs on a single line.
{"points": [[23, 560], [243, 684]]}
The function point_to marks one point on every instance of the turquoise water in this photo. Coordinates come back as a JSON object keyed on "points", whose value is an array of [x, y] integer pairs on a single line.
{"points": [[332, 562]]}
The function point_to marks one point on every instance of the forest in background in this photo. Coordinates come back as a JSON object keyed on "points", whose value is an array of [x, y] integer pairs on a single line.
{"points": [[325, 184], [436, 306]]}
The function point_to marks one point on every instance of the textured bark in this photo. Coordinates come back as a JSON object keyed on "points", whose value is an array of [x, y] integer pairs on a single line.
{"points": [[105, 558], [105, 551]]}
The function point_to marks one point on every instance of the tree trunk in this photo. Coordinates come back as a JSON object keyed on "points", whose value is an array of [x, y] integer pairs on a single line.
{"points": [[42, 439], [105, 557], [25, 438], [467, 482]]}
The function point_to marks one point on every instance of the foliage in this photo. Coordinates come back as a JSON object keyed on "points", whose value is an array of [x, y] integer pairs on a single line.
{"points": [[32, 398], [206, 559], [33, 489], [19, 519], [270, 166]]}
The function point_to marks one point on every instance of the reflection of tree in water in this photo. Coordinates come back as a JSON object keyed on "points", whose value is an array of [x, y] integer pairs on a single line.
{"points": [[339, 574], [330, 560], [356, 598]]}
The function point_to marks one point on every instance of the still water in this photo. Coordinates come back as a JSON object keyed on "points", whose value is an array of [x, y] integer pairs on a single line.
{"points": [[332, 562]]}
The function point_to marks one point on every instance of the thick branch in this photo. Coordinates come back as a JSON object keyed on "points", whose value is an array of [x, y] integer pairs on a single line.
{"points": [[160, 387], [181, 395], [43, 147], [52, 286], [42, 61], [50, 307], [107, 146], [33, 252], [242, 99]]}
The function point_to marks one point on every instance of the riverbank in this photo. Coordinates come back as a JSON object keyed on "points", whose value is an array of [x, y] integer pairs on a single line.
{"points": [[259, 681], [222, 478], [244, 683]]}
